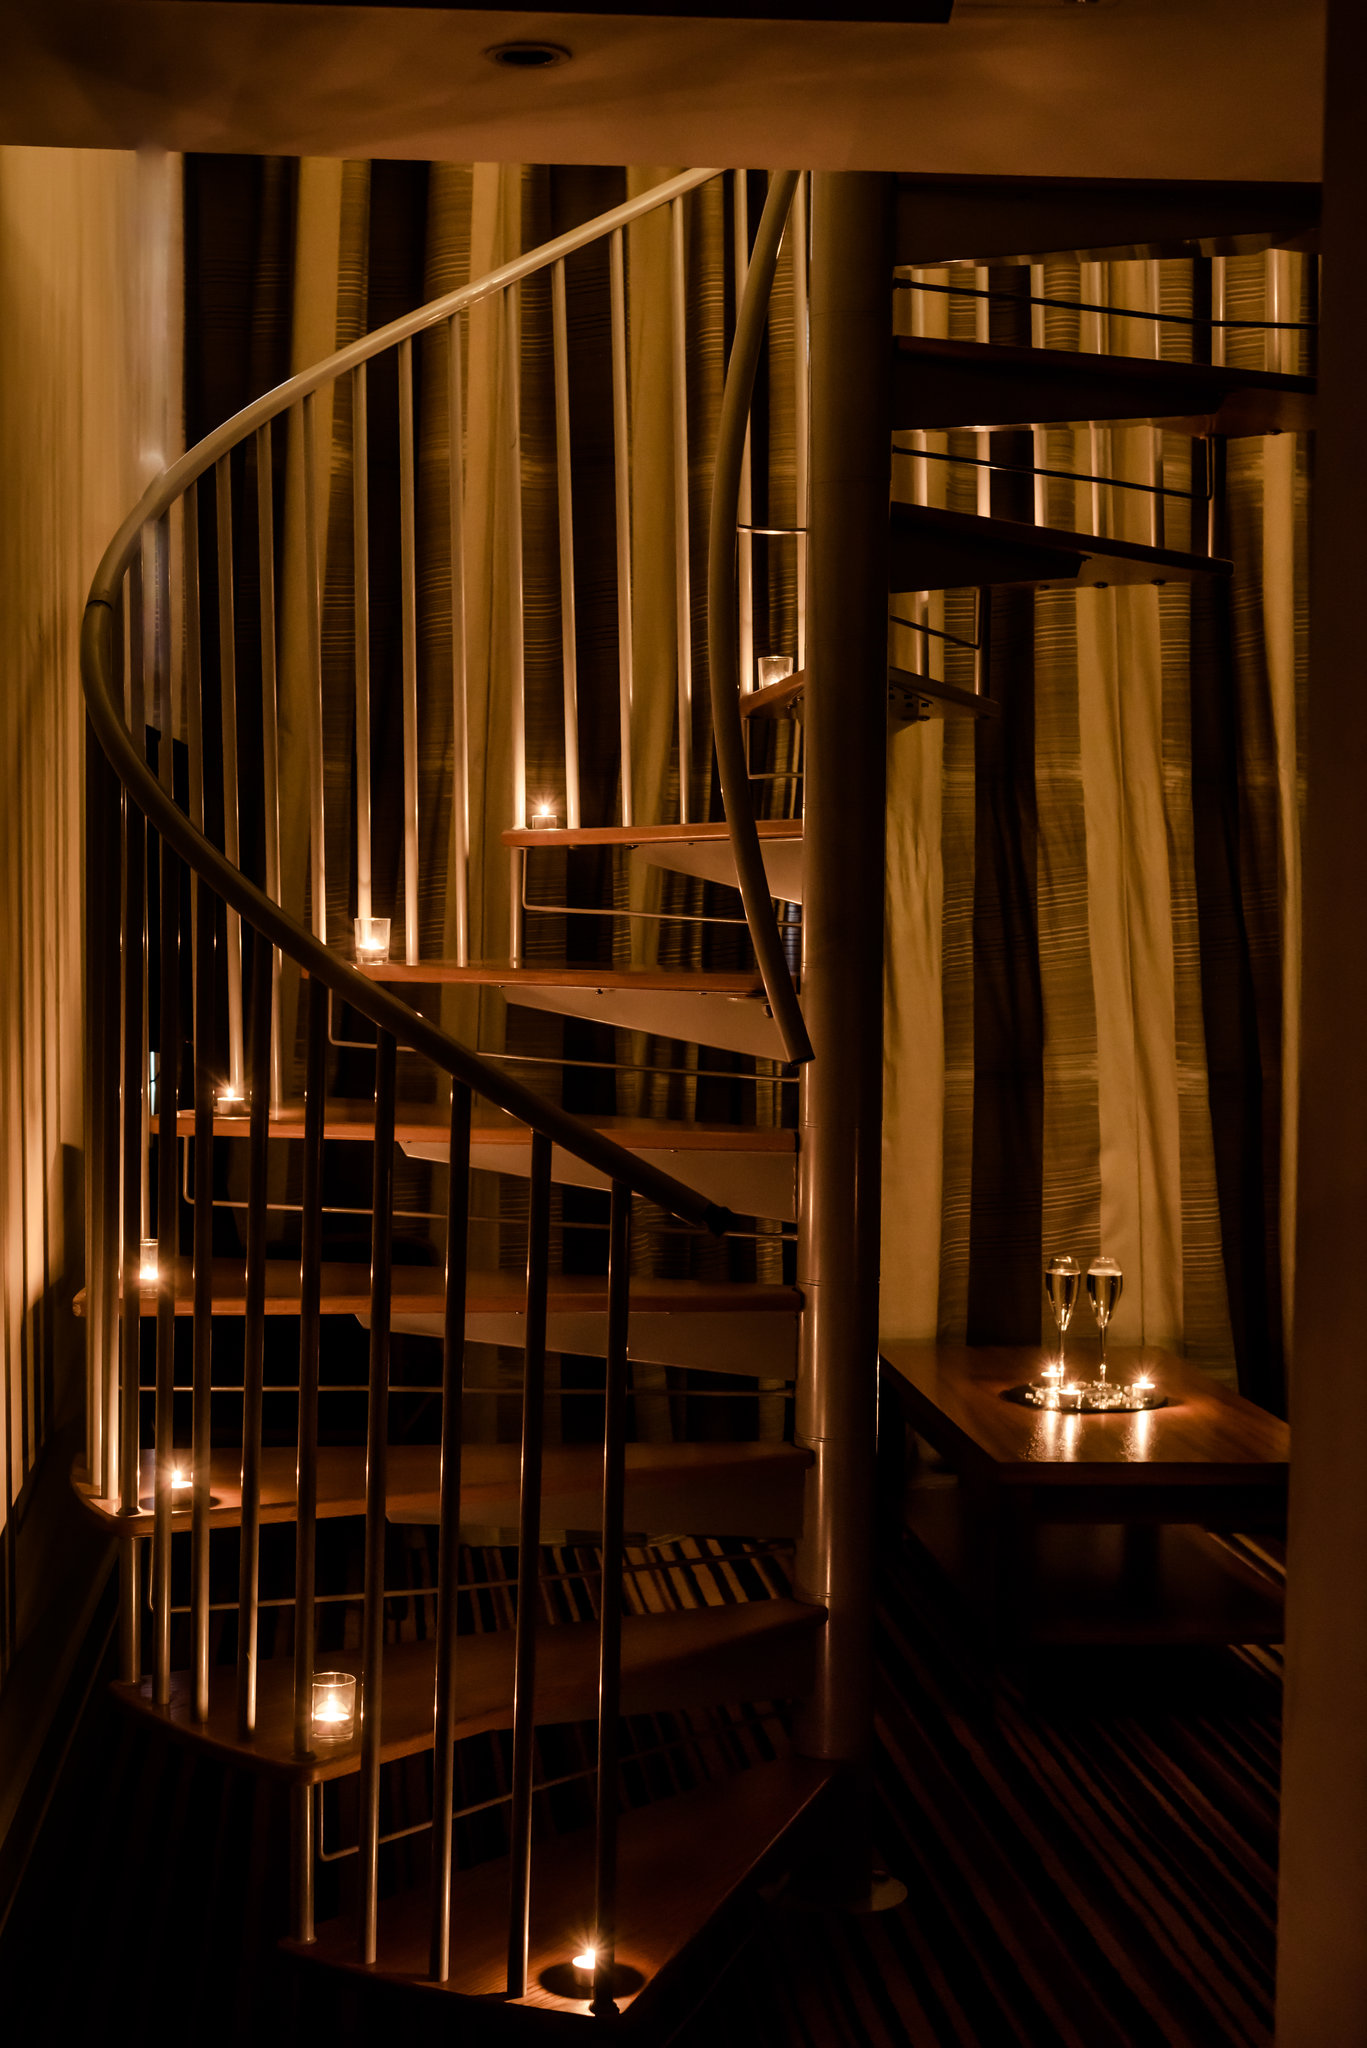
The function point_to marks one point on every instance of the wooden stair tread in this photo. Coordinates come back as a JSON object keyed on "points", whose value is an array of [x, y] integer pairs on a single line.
{"points": [[572, 1477], [939, 384], [499, 974], [937, 550], [421, 1290], [426, 1123], [646, 835], [694, 1657], [668, 1892]]}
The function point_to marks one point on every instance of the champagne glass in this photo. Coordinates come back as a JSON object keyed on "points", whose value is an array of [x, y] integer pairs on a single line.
{"points": [[1104, 1282], [1061, 1277]]}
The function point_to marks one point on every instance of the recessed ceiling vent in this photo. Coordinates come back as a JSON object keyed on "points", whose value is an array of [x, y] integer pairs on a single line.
{"points": [[528, 56]]}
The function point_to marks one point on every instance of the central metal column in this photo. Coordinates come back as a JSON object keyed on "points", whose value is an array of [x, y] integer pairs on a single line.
{"points": [[842, 954]]}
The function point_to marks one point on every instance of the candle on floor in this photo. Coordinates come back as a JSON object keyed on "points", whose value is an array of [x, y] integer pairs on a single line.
{"points": [[230, 1101], [372, 941], [147, 1264], [334, 1706], [584, 1962]]}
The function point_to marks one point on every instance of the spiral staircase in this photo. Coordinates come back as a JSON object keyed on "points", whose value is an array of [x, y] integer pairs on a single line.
{"points": [[210, 1001]]}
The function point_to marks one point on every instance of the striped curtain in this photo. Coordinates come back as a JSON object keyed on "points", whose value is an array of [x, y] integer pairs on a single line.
{"points": [[1093, 902]]}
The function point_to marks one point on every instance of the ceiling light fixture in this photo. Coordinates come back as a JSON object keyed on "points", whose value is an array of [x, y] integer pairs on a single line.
{"points": [[528, 56]]}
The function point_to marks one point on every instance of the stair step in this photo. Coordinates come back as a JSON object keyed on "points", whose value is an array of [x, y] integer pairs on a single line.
{"points": [[669, 1889], [732, 1326], [945, 218], [724, 1010], [939, 384], [702, 850], [911, 697], [750, 1170], [694, 1657], [742, 1489], [938, 550]]}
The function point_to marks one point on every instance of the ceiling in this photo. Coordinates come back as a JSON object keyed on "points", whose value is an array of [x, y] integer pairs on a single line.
{"points": [[1116, 88]]}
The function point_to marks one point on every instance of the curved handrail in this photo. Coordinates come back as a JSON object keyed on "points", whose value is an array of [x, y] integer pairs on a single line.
{"points": [[98, 669], [723, 656]]}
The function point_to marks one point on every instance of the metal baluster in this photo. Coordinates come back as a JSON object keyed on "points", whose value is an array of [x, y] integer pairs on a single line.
{"points": [[313, 620], [408, 587], [206, 992], [111, 1184], [610, 1609], [528, 1564], [227, 670], [131, 1151], [683, 602], [138, 648], [448, 1541], [621, 443], [168, 1214], [745, 579], [518, 678], [802, 404], [564, 482], [102, 865], [376, 1473], [270, 746], [306, 1510], [460, 753], [360, 556], [254, 1333]]}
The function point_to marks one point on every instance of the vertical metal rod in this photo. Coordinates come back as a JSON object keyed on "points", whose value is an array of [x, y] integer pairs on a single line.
{"points": [[745, 546], [610, 1609], [621, 443], [802, 401], [270, 743], [206, 990], [376, 1472], [111, 1186], [528, 1565], [227, 673], [194, 707], [683, 602], [408, 590], [306, 1506], [130, 1325], [254, 1332], [101, 883], [512, 335], [168, 1247], [564, 484], [310, 1294], [313, 612], [1217, 308], [842, 971], [448, 1540], [460, 747], [360, 558], [139, 636]]}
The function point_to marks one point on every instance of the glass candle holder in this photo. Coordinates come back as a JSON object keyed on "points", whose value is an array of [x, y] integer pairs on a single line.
{"points": [[333, 1718], [372, 941], [773, 668], [147, 1263]]}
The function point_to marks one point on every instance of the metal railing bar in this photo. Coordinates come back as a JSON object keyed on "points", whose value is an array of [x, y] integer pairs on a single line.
{"points": [[270, 744], [313, 621], [206, 991], [130, 1318], [528, 1566], [168, 1145], [448, 1529], [745, 567], [460, 749], [919, 626], [360, 572], [408, 587], [254, 1332], [376, 1493], [755, 1718], [621, 448], [610, 1602], [227, 683], [310, 1289], [963, 291], [723, 658], [802, 400], [683, 603], [1076, 476], [569, 651]]}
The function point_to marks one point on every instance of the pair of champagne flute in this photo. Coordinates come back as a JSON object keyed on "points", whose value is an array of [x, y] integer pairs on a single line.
{"points": [[1104, 1282]]}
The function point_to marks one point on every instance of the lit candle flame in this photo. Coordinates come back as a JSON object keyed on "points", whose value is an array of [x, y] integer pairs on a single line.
{"points": [[330, 1708], [586, 1959], [180, 1478]]}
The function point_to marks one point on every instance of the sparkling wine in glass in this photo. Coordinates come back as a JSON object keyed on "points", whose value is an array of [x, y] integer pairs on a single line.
{"points": [[1104, 1282], [1061, 1277]]}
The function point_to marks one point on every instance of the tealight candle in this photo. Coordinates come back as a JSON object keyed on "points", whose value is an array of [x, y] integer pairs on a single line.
{"points": [[1142, 1386], [372, 941], [543, 817], [230, 1101], [584, 1962], [180, 1479], [334, 1706], [147, 1263]]}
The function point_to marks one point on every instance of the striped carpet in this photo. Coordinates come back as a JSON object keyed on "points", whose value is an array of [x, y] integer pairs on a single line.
{"points": [[1089, 1855]]}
